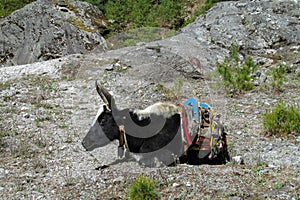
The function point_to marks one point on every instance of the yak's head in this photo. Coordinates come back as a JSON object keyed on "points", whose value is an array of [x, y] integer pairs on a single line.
{"points": [[104, 128]]}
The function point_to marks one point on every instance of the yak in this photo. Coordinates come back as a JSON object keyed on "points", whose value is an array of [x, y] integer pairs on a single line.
{"points": [[163, 134]]}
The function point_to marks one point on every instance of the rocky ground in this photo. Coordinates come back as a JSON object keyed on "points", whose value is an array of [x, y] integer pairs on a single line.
{"points": [[47, 108]]}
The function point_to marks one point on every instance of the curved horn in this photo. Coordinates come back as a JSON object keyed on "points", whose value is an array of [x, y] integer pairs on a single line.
{"points": [[104, 94]]}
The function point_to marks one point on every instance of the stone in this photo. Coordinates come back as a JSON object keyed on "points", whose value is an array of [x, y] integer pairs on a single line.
{"points": [[45, 30], [26, 115], [188, 184], [119, 179], [176, 184], [238, 160]]}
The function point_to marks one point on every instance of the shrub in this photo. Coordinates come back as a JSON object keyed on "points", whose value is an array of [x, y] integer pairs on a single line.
{"points": [[282, 120], [175, 92], [236, 74], [278, 75], [134, 36], [141, 13], [142, 189], [8, 6]]}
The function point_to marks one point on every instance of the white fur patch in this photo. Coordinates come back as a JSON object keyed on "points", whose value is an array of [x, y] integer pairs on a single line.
{"points": [[99, 112], [160, 108]]}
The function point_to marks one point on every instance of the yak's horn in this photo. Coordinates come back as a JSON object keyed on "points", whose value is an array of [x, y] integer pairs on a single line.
{"points": [[104, 94]]}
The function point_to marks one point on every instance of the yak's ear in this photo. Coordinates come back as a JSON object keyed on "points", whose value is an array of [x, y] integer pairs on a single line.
{"points": [[105, 95]]}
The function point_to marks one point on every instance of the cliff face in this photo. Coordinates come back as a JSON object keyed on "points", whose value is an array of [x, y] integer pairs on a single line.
{"points": [[267, 30], [48, 29]]}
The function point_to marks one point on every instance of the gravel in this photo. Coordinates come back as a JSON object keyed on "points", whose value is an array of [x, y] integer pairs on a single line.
{"points": [[47, 108]]}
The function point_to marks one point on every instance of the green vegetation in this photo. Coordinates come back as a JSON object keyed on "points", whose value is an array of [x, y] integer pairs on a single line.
{"points": [[278, 75], [142, 189], [166, 91], [134, 36], [77, 22], [8, 6], [125, 14], [174, 93], [68, 177], [283, 120], [278, 185], [236, 74], [177, 87], [260, 165], [128, 14]]}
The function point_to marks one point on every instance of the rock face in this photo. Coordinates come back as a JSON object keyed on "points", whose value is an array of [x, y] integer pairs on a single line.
{"points": [[267, 30], [48, 29]]}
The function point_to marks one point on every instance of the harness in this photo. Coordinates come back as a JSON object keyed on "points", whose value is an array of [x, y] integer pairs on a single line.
{"points": [[185, 125], [123, 144], [211, 139]]}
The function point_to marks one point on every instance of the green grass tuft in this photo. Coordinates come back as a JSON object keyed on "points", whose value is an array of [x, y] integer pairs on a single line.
{"points": [[277, 77], [142, 189], [283, 120], [236, 74]]}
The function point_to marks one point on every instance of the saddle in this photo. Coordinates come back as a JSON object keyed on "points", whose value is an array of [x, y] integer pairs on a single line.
{"points": [[211, 141]]}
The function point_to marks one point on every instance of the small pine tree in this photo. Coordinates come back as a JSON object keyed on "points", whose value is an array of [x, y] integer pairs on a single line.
{"points": [[142, 189], [278, 77], [282, 120], [236, 74]]}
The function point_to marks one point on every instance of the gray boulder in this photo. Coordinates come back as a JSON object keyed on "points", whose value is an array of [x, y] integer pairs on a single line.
{"points": [[48, 29], [268, 30]]}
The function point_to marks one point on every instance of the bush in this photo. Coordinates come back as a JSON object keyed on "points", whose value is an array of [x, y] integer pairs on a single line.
{"points": [[278, 74], [126, 14], [8, 6], [236, 74], [282, 120], [142, 189], [134, 36]]}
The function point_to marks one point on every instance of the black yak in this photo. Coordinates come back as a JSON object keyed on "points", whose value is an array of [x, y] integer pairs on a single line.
{"points": [[161, 134]]}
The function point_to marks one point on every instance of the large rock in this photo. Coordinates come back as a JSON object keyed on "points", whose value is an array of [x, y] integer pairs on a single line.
{"points": [[48, 29], [268, 30]]}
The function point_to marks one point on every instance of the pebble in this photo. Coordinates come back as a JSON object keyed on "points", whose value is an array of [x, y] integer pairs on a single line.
{"points": [[65, 88], [269, 148], [118, 179], [239, 132], [50, 148], [24, 108], [176, 184], [63, 147], [2, 172], [238, 160], [26, 115], [109, 68]]}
